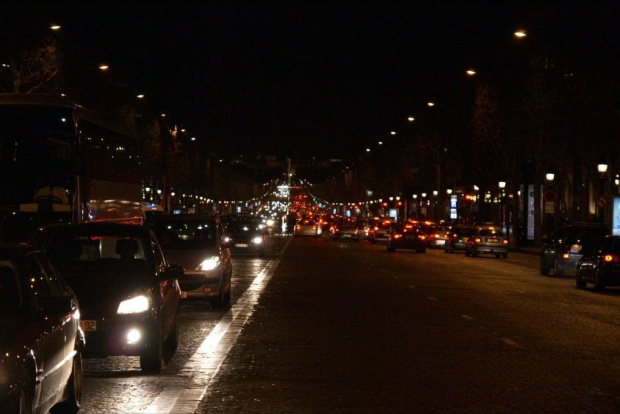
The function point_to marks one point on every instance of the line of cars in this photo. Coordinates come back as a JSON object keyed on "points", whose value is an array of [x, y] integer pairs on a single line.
{"points": [[103, 289]]}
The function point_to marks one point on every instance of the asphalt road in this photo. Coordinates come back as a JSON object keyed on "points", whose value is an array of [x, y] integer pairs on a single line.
{"points": [[348, 327]]}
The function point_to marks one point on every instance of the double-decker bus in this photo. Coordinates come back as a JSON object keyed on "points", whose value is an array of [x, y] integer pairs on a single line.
{"points": [[60, 162]]}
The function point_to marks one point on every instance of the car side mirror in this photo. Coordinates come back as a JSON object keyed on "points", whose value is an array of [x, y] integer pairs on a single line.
{"points": [[173, 272]]}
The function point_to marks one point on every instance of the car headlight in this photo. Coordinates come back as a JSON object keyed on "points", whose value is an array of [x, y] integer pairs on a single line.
{"points": [[227, 239], [257, 240], [209, 264], [270, 222], [136, 304]]}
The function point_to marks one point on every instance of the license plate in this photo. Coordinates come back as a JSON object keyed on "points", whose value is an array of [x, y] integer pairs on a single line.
{"points": [[183, 295], [493, 240], [88, 326], [346, 235], [241, 245]]}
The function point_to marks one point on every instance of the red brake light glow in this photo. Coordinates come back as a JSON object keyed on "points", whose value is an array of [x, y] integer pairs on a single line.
{"points": [[611, 258]]}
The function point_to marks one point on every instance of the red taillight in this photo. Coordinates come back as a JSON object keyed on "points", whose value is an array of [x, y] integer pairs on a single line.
{"points": [[611, 258], [505, 241], [422, 237], [565, 256], [398, 236], [478, 240]]}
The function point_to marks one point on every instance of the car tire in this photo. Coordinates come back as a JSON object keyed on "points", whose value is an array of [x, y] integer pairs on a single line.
{"points": [[73, 392], [579, 282], [497, 255], [467, 253], [423, 250], [171, 343], [151, 359], [557, 270], [504, 255], [544, 269], [26, 395], [373, 241], [599, 283], [218, 302], [474, 253]]}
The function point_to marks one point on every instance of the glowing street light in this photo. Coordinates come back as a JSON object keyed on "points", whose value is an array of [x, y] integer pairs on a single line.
{"points": [[392, 132], [520, 33], [140, 96], [430, 104], [470, 72], [411, 119], [104, 67], [55, 26]]}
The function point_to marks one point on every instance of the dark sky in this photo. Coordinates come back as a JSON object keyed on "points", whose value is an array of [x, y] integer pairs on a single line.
{"points": [[302, 78]]}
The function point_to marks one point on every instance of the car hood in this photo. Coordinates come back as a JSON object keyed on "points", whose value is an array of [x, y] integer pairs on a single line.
{"points": [[189, 259], [101, 293]]}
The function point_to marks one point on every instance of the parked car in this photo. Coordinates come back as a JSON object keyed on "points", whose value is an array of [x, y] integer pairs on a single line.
{"points": [[456, 238], [346, 230], [565, 248], [245, 235], [195, 241], [487, 240], [128, 292], [41, 342], [307, 227], [407, 236], [380, 230], [601, 264]]}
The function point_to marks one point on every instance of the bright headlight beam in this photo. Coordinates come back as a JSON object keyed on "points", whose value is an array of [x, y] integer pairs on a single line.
{"points": [[137, 304], [209, 264]]}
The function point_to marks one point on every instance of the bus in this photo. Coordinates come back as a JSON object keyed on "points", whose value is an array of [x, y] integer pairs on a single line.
{"points": [[60, 162]]}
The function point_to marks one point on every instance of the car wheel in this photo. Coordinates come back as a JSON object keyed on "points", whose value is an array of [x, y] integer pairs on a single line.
{"points": [[544, 269], [497, 255], [171, 343], [373, 241], [557, 270], [467, 253], [73, 392], [150, 360], [220, 300], [504, 255], [422, 250], [474, 253], [581, 284], [599, 284], [26, 395]]}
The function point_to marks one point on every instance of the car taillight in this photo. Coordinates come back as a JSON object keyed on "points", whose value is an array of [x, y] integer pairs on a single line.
{"points": [[611, 258], [398, 236], [505, 241], [436, 235], [422, 237], [565, 256], [477, 240]]}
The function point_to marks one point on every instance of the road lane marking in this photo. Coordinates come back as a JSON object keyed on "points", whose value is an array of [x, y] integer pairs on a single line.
{"points": [[193, 380], [469, 318], [411, 287], [432, 299]]}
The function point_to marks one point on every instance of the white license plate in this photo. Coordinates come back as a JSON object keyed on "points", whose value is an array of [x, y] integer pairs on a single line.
{"points": [[241, 245], [88, 326], [346, 235], [493, 240]]}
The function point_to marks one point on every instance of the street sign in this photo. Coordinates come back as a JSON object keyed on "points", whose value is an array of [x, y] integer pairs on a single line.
{"points": [[549, 207], [601, 202], [549, 195]]}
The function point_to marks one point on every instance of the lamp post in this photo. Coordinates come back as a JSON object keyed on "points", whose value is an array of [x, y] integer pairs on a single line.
{"points": [[502, 195], [549, 206], [601, 201]]}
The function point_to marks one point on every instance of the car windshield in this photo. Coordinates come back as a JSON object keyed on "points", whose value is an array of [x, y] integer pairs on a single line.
{"points": [[243, 226], [583, 236], [186, 234], [490, 232], [98, 253]]}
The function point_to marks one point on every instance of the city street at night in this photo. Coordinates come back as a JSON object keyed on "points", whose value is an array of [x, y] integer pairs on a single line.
{"points": [[324, 326]]}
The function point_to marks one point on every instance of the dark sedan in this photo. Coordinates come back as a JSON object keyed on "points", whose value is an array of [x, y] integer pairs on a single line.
{"points": [[601, 265], [41, 342], [195, 242], [346, 230], [245, 235], [407, 236], [129, 293], [456, 238]]}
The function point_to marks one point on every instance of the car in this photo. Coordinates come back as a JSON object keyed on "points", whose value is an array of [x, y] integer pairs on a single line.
{"points": [[380, 230], [487, 240], [307, 227], [600, 265], [245, 235], [41, 342], [565, 248], [129, 293], [436, 236], [407, 236], [456, 238], [196, 242], [346, 230]]}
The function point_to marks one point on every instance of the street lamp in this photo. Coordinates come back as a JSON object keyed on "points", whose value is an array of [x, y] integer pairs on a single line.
{"points": [[470, 72], [104, 67], [550, 177], [601, 201], [55, 27], [520, 33]]}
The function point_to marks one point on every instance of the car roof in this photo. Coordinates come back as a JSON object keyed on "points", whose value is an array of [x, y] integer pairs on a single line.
{"points": [[15, 250], [107, 228]]}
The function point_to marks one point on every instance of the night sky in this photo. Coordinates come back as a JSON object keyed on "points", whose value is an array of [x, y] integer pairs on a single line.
{"points": [[304, 79]]}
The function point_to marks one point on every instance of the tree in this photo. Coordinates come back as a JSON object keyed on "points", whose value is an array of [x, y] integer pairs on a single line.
{"points": [[36, 71]]}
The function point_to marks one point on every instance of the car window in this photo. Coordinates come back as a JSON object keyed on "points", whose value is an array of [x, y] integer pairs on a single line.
{"points": [[57, 288], [185, 233], [10, 289]]}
